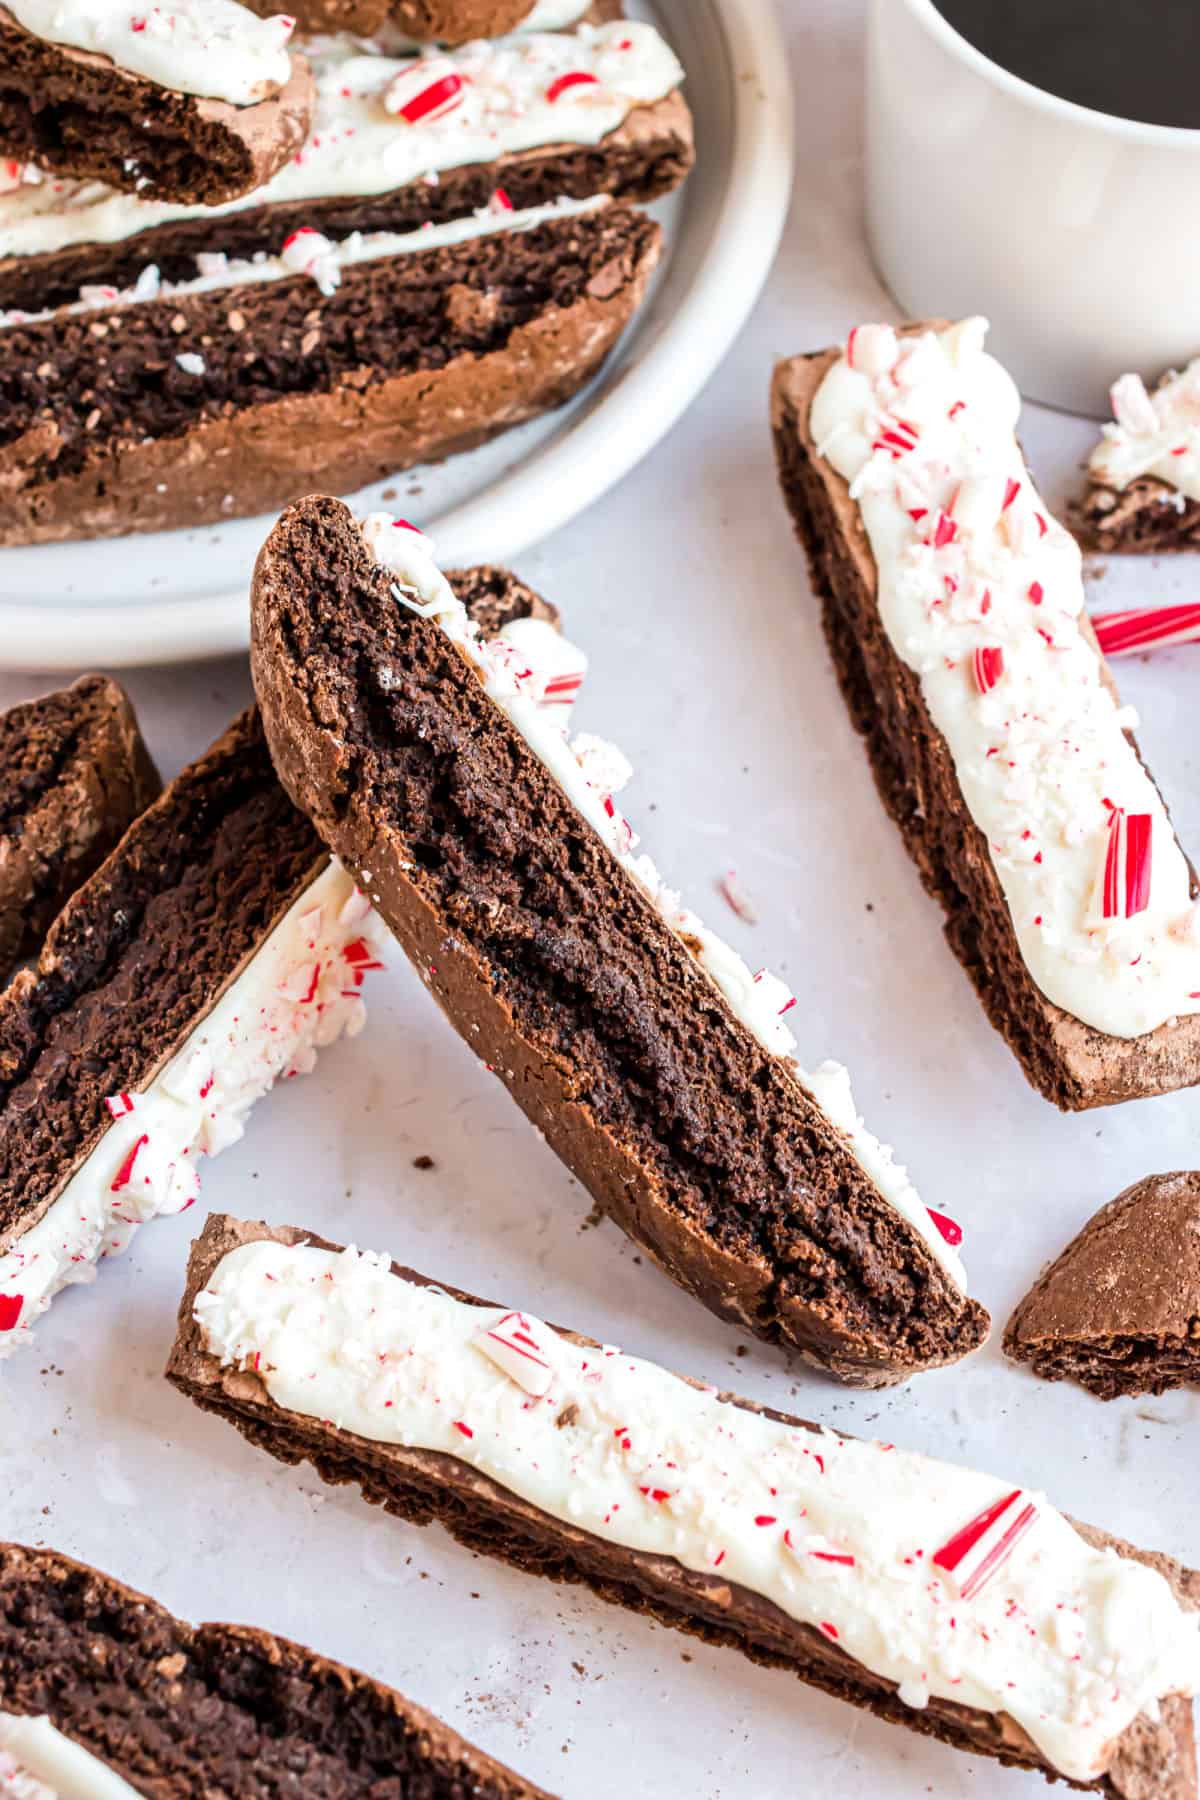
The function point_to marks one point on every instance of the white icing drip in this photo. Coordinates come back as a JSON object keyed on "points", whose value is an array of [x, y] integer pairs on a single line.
{"points": [[215, 49], [357, 147], [1042, 757], [1071, 1642], [296, 994], [1153, 434], [38, 1762], [758, 1001], [226, 272]]}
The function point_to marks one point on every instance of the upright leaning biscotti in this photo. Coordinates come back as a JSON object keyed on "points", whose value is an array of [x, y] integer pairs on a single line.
{"points": [[330, 366], [657, 1066], [954, 608], [215, 951], [938, 1598], [397, 142], [1143, 488], [105, 1693], [74, 773], [195, 105], [1119, 1310]]}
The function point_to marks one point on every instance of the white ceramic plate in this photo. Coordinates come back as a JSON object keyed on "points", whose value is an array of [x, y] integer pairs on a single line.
{"points": [[177, 595]]}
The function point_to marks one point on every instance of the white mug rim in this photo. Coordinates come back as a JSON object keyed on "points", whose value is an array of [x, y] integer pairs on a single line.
{"points": [[926, 13]]}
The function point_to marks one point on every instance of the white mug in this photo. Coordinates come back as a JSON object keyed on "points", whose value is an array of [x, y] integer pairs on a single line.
{"points": [[1074, 232]]}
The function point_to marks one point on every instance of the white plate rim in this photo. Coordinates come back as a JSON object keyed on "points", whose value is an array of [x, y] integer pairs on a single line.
{"points": [[564, 477]]}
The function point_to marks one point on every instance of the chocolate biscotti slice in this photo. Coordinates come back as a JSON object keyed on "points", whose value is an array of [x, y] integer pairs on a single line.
{"points": [[397, 142], [330, 366], [952, 1602], [216, 950], [460, 21], [104, 1692], [74, 773], [1143, 488], [1119, 1311], [954, 608], [196, 104], [657, 1066]]}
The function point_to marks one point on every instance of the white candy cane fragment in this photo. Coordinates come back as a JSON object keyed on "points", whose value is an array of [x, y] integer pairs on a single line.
{"points": [[1154, 627], [1128, 857], [311, 253], [429, 90], [119, 1104], [517, 1344], [872, 349], [973, 1555], [1133, 409], [980, 502]]}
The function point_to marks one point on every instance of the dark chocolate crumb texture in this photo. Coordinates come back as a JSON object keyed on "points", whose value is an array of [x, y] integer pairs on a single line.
{"points": [[213, 952], [330, 366], [1119, 1311], [396, 144], [205, 1712], [1143, 491], [74, 773], [657, 1067], [953, 606], [937, 1598], [75, 113]]}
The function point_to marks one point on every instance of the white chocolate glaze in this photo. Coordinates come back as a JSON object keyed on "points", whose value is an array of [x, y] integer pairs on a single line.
{"points": [[325, 268], [38, 1762], [758, 1001], [1041, 756], [1153, 434], [215, 49], [298, 992], [357, 147], [1073, 1643]]}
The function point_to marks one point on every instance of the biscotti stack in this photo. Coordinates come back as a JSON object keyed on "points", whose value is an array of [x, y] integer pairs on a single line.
{"points": [[249, 264]]}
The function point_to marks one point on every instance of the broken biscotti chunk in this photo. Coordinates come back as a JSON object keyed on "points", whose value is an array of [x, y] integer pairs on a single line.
{"points": [[74, 773], [954, 608], [331, 366], [1144, 478], [104, 1692], [193, 105], [397, 143], [1119, 1311], [657, 1066], [941, 1599]]}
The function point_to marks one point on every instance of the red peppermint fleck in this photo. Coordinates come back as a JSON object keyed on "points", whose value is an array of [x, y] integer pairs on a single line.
{"points": [[1037, 592], [125, 1172], [959, 406], [465, 1429], [833, 1556], [659, 1495], [945, 531], [765, 1519], [1011, 490], [10, 1310], [576, 78], [988, 666], [950, 1230], [1128, 858], [501, 201], [831, 1631]]}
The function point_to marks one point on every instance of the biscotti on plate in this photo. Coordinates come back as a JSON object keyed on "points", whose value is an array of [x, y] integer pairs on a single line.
{"points": [[656, 1065], [954, 608], [74, 773], [1143, 488], [182, 105], [103, 1691], [397, 142], [331, 366], [1119, 1310], [955, 1603]]}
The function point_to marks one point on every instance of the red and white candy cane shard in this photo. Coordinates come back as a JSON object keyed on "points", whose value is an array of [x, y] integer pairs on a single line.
{"points": [[566, 84], [1133, 409], [1128, 857], [10, 1311], [517, 1345], [427, 91], [950, 1229], [988, 667], [119, 1104], [124, 1174], [1154, 627], [562, 690], [973, 1555], [737, 898], [872, 349]]}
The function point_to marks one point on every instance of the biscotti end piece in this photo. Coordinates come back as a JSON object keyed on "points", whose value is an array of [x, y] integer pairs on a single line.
{"points": [[697, 1561], [1149, 516], [74, 774], [415, 357], [76, 114], [1143, 491], [1119, 1311], [1073, 1064], [226, 1711]]}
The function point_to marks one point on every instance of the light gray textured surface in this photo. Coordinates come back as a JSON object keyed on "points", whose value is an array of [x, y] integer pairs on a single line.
{"points": [[708, 667]]}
